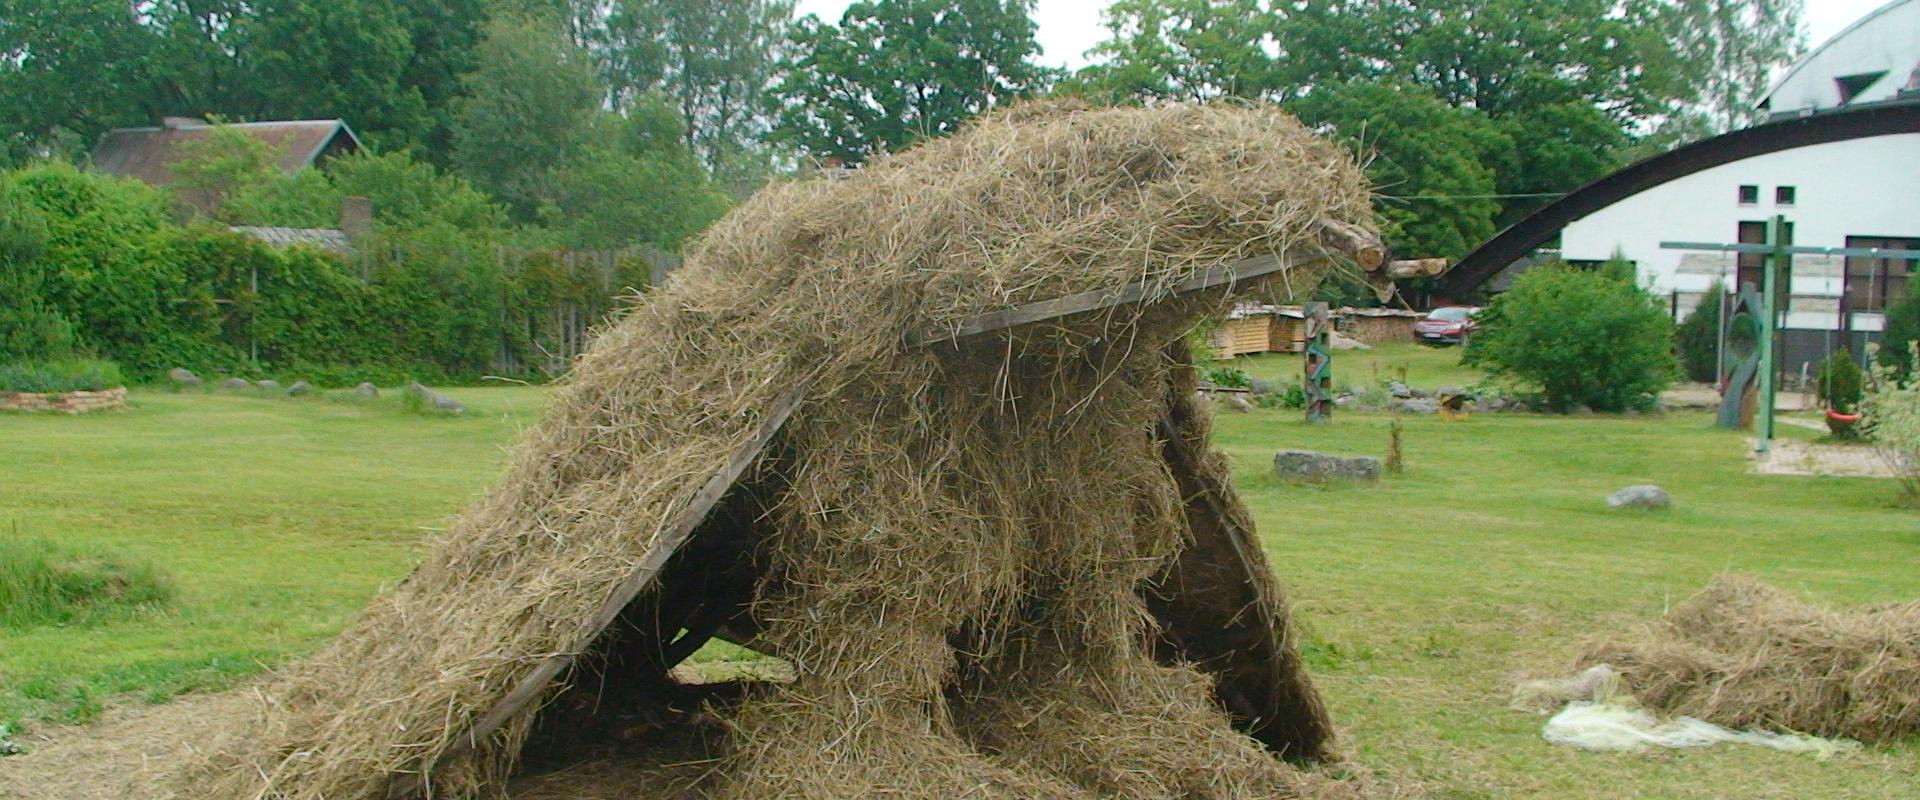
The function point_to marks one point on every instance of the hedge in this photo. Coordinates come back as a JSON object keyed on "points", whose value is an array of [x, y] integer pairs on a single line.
{"points": [[434, 303]]}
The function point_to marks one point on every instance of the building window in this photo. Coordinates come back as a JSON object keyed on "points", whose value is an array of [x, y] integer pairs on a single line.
{"points": [[1749, 195], [1753, 265], [1783, 195], [1851, 86], [1874, 283]]}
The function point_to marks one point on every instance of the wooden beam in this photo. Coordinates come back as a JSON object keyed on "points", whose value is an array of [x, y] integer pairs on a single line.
{"points": [[1362, 245], [1100, 299], [675, 534], [1408, 269]]}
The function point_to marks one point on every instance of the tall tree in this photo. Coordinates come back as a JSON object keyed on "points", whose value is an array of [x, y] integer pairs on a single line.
{"points": [[528, 108], [1185, 49], [715, 58], [1732, 48], [81, 66], [893, 71], [1429, 161], [68, 70]]}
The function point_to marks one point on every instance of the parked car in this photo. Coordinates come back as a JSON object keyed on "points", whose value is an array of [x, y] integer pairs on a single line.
{"points": [[1446, 325]]}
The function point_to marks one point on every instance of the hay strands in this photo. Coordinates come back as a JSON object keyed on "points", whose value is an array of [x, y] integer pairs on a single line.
{"points": [[1361, 246], [1242, 271], [676, 533]]}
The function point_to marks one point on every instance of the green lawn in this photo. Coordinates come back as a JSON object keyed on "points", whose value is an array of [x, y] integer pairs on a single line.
{"points": [[1423, 599], [1419, 366]]}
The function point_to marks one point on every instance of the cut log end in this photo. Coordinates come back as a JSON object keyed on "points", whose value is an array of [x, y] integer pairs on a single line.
{"points": [[1362, 245]]}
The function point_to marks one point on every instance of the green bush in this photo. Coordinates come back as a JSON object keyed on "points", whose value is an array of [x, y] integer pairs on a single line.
{"points": [[29, 327], [1227, 377], [1581, 337], [1899, 336], [1697, 339], [1839, 387], [44, 584], [1892, 408], [61, 375]]}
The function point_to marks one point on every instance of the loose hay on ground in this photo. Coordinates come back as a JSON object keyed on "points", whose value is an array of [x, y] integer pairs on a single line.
{"points": [[961, 530], [1746, 655]]}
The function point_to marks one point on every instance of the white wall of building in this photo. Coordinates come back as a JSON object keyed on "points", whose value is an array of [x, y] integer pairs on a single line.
{"points": [[1862, 187], [1888, 40]]}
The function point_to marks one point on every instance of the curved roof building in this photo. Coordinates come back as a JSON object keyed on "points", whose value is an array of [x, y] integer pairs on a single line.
{"points": [[1839, 160]]}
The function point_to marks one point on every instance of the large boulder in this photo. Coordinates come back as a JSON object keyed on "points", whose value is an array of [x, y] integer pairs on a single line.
{"points": [[237, 385], [1645, 496], [269, 386], [183, 379], [299, 389], [435, 400], [1311, 467], [366, 390]]}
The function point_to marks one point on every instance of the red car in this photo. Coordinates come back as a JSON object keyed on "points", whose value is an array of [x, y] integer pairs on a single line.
{"points": [[1447, 325]]}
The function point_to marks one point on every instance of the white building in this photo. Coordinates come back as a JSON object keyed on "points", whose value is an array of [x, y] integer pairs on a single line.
{"points": [[1840, 160]]}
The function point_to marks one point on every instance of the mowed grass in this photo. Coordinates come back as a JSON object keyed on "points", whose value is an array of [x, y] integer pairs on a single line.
{"points": [[272, 520], [1418, 365], [1422, 599]]}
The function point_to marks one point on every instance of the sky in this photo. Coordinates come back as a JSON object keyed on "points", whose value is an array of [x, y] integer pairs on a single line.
{"points": [[1068, 28]]}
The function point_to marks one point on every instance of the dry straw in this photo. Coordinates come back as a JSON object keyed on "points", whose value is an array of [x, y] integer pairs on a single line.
{"points": [[962, 530], [1746, 655]]}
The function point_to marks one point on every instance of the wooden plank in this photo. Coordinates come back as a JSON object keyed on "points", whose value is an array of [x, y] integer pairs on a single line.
{"points": [[683, 524], [1139, 291]]}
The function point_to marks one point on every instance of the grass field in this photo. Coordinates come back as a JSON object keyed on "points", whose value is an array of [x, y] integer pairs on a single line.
{"points": [[1423, 599]]}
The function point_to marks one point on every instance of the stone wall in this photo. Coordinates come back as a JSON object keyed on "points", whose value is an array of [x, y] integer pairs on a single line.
{"points": [[65, 402]]}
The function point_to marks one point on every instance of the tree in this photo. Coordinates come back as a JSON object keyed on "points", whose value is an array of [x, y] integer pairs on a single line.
{"points": [[1697, 338], [1557, 90], [69, 69], [1731, 48], [30, 329], [1185, 49], [406, 194], [1580, 336], [1427, 159], [894, 71], [528, 109], [1898, 338], [715, 58], [211, 173], [638, 183]]}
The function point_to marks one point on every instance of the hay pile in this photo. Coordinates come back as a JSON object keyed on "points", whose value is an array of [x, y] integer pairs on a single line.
{"points": [[958, 531], [1745, 655]]}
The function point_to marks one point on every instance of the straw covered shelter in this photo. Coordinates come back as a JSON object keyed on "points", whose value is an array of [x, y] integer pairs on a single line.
{"points": [[926, 434]]}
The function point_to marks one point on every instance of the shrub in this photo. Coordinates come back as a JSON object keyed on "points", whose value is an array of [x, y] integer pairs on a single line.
{"points": [[1899, 336], [1892, 408], [1228, 377], [1839, 387], [61, 375], [29, 327], [43, 584], [1581, 337], [1697, 339]]}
